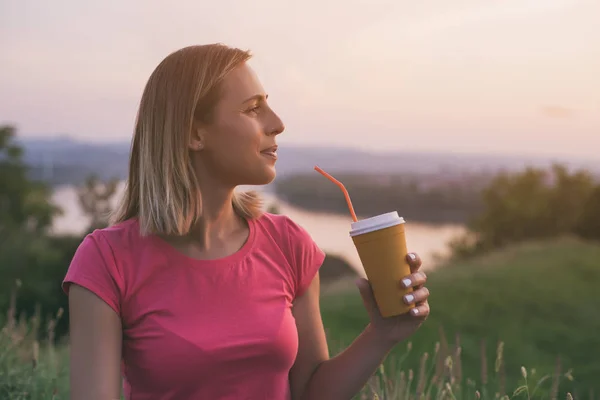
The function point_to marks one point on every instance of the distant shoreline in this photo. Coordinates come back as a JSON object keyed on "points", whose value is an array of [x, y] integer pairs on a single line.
{"points": [[329, 230]]}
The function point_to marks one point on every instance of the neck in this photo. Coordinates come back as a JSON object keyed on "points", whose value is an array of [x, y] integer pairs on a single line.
{"points": [[219, 221]]}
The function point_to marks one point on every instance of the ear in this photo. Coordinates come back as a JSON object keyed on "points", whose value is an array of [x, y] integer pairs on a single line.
{"points": [[197, 138]]}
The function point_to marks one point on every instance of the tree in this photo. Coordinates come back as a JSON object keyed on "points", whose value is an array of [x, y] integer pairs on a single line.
{"points": [[532, 204], [516, 207], [26, 252], [273, 209], [24, 204], [588, 226], [570, 195], [94, 200]]}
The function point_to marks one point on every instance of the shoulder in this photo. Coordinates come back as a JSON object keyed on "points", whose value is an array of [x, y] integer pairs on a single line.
{"points": [[302, 252], [116, 240], [273, 222], [122, 236], [97, 264], [284, 228], [105, 250]]}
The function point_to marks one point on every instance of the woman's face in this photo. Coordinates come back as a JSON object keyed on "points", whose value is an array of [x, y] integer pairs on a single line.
{"points": [[239, 144]]}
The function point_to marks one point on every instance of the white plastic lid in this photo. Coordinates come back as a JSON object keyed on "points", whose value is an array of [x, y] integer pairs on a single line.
{"points": [[375, 223]]}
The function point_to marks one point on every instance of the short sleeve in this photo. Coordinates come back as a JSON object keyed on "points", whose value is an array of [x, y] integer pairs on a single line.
{"points": [[93, 267], [306, 256]]}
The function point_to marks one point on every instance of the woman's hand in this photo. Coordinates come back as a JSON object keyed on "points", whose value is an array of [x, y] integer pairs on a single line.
{"points": [[399, 328], [352, 368]]}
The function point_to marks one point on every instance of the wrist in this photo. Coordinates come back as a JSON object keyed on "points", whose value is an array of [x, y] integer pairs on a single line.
{"points": [[380, 341]]}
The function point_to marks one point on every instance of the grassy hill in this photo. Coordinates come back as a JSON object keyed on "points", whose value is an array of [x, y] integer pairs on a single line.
{"points": [[540, 299]]}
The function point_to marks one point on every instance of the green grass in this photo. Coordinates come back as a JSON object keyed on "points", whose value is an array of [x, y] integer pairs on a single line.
{"points": [[529, 304], [30, 368], [540, 299]]}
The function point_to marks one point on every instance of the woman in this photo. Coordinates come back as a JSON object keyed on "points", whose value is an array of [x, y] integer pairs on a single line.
{"points": [[193, 292]]}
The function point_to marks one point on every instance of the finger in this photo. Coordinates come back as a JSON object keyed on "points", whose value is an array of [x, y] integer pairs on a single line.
{"points": [[414, 261], [414, 280], [417, 297], [421, 310], [366, 292]]}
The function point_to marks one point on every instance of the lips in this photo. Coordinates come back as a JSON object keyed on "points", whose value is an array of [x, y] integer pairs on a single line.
{"points": [[272, 149], [270, 152]]}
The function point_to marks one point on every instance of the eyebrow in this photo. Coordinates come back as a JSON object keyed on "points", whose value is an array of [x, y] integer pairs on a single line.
{"points": [[256, 97]]}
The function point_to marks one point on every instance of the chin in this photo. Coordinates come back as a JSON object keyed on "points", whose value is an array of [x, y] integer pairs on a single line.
{"points": [[268, 177], [263, 177]]}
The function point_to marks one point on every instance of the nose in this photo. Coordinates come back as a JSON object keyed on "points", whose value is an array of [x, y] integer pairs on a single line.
{"points": [[275, 125]]}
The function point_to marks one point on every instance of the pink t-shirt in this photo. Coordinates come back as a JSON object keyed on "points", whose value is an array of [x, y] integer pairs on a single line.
{"points": [[202, 329]]}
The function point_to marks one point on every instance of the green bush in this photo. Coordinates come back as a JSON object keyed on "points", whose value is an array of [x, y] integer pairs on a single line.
{"points": [[533, 204], [39, 264]]}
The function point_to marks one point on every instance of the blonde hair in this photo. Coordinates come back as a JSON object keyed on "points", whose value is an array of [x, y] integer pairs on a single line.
{"points": [[162, 190]]}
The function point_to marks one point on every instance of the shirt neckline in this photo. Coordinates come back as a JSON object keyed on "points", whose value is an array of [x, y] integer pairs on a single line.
{"points": [[167, 249]]}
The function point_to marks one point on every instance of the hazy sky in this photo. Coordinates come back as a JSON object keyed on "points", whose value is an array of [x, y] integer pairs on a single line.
{"points": [[498, 76]]}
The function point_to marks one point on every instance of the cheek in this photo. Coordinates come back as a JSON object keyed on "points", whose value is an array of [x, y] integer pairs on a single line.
{"points": [[243, 131], [239, 141]]}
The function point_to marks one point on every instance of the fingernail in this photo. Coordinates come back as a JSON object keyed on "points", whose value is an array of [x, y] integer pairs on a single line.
{"points": [[406, 282], [409, 298], [415, 311], [412, 256]]}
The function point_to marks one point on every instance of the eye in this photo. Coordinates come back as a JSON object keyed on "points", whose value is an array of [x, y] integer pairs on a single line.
{"points": [[253, 110]]}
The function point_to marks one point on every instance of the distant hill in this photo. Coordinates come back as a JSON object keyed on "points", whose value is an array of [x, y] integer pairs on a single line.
{"points": [[67, 161]]}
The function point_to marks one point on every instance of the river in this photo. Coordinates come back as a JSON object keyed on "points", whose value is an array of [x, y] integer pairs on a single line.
{"points": [[330, 231]]}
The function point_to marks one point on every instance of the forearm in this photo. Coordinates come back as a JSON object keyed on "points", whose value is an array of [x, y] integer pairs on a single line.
{"points": [[344, 375]]}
